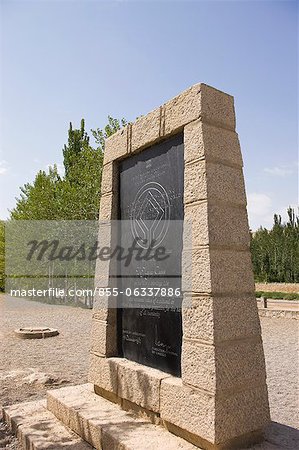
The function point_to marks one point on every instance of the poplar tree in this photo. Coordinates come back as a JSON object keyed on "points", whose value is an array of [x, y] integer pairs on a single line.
{"points": [[76, 194], [275, 252]]}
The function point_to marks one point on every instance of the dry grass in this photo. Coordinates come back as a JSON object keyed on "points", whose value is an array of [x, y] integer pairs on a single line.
{"points": [[289, 288]]}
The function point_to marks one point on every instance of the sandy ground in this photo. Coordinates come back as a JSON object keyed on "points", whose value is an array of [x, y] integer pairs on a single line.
{"points": [[28, 368]]}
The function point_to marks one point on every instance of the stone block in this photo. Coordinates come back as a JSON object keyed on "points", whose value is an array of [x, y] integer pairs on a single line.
{"points": [[116, 146], [217, 225], [146, 130], [214, 181], [196, 214], [106, 426], [198, 318], [105, 275], [202, 140], [220, 419], [227, 225], [225, 184], [196, 273], [222, 145], [199, 365], [109, 179], [182, 109], [103, 372], [235, 317], [231, 271], [193, 141], [108, 207], [140, 384], [37, 428], [105, 233], [224, 367], [195, 183], [216, 107], [102, 273], [105, 308], [241, 413], [188, 408], [106, 266], [240, 364], [217, 271], [217, 319], [103, 338]]}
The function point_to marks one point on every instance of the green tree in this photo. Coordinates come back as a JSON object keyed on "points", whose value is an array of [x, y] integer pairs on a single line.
{"points": [[39, 200], [112, 127], [78, 141], [275, 252], [80, 187], [76, 195]]}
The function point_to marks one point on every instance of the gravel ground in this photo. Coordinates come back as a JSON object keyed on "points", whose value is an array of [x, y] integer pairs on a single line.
{"points": [[37, 364], [28, 368], [281, 345]]}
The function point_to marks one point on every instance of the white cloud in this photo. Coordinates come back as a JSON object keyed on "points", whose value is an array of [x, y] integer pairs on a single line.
{"points": [[3, 168], [282, 171], [259, 204], [259, 210]]}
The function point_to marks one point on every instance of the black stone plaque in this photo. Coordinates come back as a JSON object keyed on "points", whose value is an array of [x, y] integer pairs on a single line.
{"points": [[151, 187]]}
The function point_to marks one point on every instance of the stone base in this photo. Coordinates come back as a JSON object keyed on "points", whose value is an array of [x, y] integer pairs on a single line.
{"points": [[245, 441], [76, 418], [38, 429], [105, 425], [240, 442], [204, 418]]}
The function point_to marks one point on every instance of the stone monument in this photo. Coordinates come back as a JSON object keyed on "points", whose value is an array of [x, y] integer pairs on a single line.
{"points": [[178, 375], [183, 161]]}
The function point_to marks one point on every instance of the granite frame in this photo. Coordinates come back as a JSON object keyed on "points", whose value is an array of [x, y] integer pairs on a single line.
{"points": [[221, 399]]}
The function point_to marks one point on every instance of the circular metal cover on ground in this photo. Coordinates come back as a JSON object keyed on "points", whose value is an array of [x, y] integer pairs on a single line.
{"points": [[36, 332]]}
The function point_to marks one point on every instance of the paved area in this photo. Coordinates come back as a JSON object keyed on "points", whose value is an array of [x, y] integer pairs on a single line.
{"points": [[28, 368]]}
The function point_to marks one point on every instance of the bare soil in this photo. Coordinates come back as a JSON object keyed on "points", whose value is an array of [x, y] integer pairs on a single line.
{"points": [[28, 368]]}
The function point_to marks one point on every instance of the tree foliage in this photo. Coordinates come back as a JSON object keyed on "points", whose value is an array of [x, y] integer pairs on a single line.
{"points": [[76, 194], [72, 196], [38, 201], [112, 127], [275, 252]]}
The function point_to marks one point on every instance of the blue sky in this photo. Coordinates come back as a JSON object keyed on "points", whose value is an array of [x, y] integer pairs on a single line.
{"points": [[64, 60]]}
